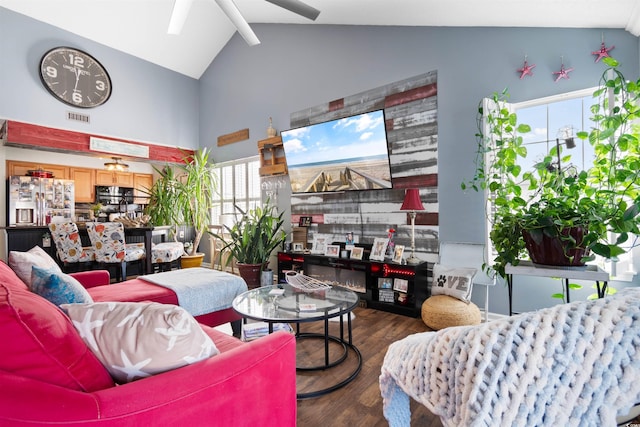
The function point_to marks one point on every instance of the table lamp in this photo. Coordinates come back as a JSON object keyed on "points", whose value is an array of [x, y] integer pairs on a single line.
{"points": [[412, 204]]}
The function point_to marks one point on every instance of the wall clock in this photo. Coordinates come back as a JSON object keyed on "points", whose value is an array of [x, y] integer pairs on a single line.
{"points": [[75, 77]]}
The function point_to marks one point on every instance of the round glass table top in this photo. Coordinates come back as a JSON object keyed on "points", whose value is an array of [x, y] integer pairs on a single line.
{"points": [[284, 303]]}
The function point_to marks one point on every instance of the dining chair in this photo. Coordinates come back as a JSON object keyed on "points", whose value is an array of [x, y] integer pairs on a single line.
{"points": [[69, 249], [470, 255], [109, 246]]}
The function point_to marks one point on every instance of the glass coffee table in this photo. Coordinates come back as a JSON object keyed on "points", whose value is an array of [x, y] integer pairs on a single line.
{"points": [[285, 304]]}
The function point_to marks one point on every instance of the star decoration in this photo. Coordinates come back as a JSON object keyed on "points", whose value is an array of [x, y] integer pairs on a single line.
{"points": [[603, 52], [526, 69], [563, 73]]}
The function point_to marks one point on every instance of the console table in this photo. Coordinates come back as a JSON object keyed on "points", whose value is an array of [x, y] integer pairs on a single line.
{"points": [[587, 272], [386, 286]]}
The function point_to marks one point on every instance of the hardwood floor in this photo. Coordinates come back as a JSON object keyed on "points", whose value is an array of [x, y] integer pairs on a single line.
{"points": [[358, 403]]}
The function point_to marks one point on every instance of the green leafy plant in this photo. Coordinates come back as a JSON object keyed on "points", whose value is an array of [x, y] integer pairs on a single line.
{"points": [[253, 238], [184, 195], [603, 199]]}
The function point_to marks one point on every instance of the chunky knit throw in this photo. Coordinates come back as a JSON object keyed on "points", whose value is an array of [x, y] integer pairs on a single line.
{"points": [[574, 364]]}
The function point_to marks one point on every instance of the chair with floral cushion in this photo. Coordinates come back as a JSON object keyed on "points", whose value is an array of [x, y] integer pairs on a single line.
{"points": [[164, 254], [69, 249], [109, 245]]}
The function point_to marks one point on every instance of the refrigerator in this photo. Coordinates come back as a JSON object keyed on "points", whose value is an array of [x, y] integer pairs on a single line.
{"points": [[36, 201]]}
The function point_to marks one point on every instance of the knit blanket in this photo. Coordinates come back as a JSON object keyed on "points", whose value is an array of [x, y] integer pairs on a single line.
{"points": [[574, 364], [200, 290]]}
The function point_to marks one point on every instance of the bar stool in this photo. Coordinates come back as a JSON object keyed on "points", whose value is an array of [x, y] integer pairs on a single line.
{"points": [[109, 246], [69, 249], [164, 254]]}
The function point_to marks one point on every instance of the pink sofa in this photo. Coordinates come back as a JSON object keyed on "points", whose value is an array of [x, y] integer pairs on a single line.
{"points": [[49, 375]]}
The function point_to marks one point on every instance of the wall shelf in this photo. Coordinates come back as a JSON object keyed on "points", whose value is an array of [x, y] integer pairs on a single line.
{"points": [[272, 160]]}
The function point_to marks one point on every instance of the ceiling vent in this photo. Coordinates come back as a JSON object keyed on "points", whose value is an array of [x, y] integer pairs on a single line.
{"points": [[84, 118]]}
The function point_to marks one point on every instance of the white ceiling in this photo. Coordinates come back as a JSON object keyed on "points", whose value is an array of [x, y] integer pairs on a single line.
{"points": [[139, 27]]}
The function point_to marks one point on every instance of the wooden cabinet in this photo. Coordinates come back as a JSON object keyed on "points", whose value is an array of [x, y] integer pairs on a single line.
{"points": [[22, 168], [141, 183], [84, 184], [120, 179], [272, 160]]}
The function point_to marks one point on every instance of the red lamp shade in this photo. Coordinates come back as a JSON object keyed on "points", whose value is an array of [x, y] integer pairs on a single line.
{"points": [[412, 200]]}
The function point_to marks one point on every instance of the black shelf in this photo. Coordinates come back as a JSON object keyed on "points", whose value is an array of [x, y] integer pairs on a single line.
{"points": [[362, 276]]}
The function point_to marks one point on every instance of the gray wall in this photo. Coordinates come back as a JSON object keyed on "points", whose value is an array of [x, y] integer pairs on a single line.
{"points": [[300, 66], [149, 103]]}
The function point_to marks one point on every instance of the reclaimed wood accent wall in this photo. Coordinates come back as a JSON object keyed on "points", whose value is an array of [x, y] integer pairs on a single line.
{"points": [[411, 114]]}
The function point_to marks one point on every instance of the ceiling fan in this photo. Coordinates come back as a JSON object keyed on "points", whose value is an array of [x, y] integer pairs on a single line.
{"points": [[181, 10]]}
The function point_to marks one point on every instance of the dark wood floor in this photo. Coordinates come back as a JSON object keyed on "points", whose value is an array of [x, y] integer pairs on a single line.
{"points": [[359, 402]]}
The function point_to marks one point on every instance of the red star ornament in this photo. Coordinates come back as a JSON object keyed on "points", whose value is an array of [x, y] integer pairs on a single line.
{"points": [[603, 52], [526, 70], [563, 73]]}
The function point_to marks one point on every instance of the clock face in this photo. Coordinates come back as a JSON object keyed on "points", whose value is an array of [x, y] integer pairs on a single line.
{"points": [[75, 77]]}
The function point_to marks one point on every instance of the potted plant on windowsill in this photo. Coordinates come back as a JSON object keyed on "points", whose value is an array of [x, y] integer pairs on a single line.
{"points": [[252, 239], [578, 208]]}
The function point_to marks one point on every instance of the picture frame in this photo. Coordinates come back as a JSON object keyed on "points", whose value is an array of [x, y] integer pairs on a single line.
{"points": [[397, 254], [379, 248], [297, 247], [305, 221], [320, 242], [400, 285], [356, 252], [332, 250], [385, 283]]}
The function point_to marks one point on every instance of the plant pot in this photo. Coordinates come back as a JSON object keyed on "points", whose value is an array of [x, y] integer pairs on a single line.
{"points": [[552, 250], [251, 273], [190, 261]]}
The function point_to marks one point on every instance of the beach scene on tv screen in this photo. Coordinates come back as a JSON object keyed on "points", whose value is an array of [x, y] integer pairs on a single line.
{"points": [[339, 155]]}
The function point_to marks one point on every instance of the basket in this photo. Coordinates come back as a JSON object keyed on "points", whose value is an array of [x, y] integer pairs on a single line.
{"points": [[303, 282]]}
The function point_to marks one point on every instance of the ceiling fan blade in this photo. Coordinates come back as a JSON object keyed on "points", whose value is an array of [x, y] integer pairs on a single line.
{"points": [[179, 16], [233, 13], [296, 6]]}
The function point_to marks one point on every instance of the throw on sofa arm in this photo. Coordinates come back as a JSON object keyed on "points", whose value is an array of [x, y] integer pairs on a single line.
{"points": [[92, 278], [251, 385]]}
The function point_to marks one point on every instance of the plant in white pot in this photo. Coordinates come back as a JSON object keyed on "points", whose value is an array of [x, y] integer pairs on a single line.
{"points": [[252, 239], [554, 199]]}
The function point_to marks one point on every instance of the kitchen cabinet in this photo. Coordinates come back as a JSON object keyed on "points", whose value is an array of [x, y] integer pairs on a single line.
{"points": [[141, 183], [22, 168], [85, 183], [120, 179]]}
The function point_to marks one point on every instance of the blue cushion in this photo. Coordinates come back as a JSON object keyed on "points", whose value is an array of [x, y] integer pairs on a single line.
{"points": [[57, 287]]}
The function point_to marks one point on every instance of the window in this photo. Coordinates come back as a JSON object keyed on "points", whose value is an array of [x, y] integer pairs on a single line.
{"points": [[239, 185], [554, 119]]}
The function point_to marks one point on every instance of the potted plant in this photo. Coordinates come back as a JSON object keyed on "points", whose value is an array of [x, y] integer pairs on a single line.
{"points": [[579, 209], [252, 239], [184, 197]]}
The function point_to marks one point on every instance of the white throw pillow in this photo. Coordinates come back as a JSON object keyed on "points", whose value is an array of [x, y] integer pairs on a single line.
{"points": [[21, 263], [453, 281], [134, 340]]}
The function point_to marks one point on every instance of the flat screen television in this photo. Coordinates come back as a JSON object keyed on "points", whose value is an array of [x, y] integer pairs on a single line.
{"points": [[345, 154]]}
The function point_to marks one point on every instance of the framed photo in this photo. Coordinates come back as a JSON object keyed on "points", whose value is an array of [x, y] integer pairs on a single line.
{"points": [[332, 250], [305, 221], [297, 247], [379, 248], [400, 285], [385, 283], [397, 254], [320, 242], [356, 252]]}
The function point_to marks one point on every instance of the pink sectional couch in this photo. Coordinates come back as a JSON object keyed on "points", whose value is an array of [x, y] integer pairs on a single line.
{"points": [[49, 375]]}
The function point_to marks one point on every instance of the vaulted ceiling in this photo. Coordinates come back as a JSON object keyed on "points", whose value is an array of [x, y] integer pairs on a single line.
{"points": [[139, 27]]}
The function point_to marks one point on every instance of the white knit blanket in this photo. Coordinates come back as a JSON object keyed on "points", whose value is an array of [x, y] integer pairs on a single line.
{"points": [[574, 364]]}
